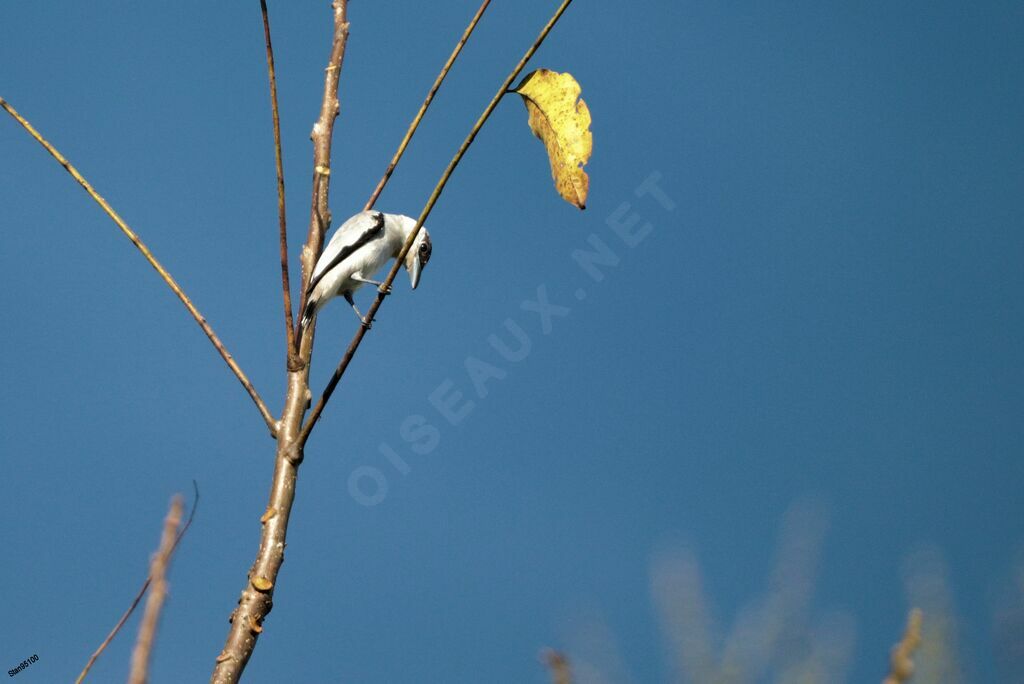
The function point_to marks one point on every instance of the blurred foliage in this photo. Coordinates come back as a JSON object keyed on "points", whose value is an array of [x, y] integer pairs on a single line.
{"points": [[777, 638]]}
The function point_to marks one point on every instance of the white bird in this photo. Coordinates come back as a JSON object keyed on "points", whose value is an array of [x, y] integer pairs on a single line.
{"points": [[357, 250]]}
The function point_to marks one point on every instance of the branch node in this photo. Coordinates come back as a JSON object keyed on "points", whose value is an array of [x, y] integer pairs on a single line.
{"points": [[294, 455]]}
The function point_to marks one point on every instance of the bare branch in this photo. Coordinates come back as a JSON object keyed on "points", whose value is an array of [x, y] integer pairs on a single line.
{"points": [[361, 332], [901, 665], [426, 103], [138, 597], [167, 278], [154, 604], [289, 334], [257, 596]]}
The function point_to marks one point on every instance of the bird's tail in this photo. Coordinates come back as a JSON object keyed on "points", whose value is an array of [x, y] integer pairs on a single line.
{"points": [[310, 311]]}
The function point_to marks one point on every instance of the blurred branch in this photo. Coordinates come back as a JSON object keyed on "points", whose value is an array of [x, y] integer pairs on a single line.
{"points": [[557, 665], [154, 604], [140, 594], [901, 664], [289, 334], [399, 260], [426, 103], [683, 608], [167, 278], [926, 577]]}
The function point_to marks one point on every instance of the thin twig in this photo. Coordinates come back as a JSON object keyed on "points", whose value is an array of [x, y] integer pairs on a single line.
{"points": [[257, 596], [289, 334], [167, 278], [901, 667], [426, 103], [154, 604], [361, 332], [138, 597]]}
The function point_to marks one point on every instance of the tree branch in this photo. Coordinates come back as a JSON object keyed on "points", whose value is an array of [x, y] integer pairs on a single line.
{"points": [[257, 596], [289, 334], [138, 597], [158, 574], [167, 278], [426, 103], [361, 332]]}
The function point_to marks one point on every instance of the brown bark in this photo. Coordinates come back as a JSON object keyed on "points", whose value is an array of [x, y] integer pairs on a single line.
{"points": [[257, 597]]}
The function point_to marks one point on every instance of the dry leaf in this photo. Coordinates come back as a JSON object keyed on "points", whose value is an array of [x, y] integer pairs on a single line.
{"points": [[560, 118]]}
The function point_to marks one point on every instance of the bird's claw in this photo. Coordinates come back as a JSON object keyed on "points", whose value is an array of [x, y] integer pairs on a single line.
{"points": [[384, 289], [367, 323]]}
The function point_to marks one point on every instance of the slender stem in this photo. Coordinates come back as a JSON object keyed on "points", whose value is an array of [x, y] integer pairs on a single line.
{"points": [[138, 597], [167, 277], [426, 103], [289, 334], [154, 604], [257, 596], [361, 332]]}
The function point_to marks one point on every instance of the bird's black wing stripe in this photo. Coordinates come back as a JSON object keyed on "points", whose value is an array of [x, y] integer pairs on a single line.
{"points": [[370, 233]]}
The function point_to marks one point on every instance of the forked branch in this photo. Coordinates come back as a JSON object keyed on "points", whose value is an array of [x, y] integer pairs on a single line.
{"points": [[361, 332], [257, 596], [164, 274]]}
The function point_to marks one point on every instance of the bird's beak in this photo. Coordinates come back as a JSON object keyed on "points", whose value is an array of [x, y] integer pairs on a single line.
{"points": [[414, 272]]}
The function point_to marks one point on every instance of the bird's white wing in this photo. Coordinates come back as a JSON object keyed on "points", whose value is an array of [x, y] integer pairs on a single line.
{"points": [[349, 237]]}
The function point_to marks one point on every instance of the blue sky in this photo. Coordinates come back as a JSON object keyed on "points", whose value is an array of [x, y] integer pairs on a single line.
{"points": [[818, 338]]}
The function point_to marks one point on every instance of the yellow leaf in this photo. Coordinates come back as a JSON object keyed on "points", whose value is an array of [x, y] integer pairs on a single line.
{"points": [[560, 118]]}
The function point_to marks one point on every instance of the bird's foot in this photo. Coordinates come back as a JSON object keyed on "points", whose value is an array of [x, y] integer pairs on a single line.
{"points": [[367, 323], [384, 289]]}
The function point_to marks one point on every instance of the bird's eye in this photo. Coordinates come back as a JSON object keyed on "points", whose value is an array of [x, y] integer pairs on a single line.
{"points": [[423, 248]]}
